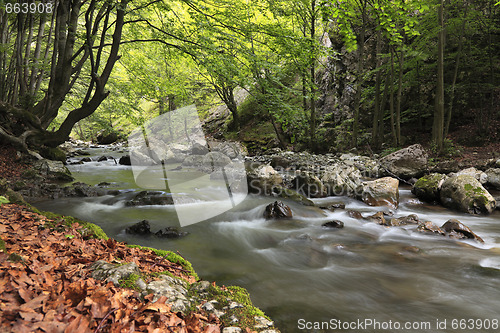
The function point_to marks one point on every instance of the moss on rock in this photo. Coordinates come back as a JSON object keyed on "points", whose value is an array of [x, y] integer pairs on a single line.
{"points": [[427, 187]]}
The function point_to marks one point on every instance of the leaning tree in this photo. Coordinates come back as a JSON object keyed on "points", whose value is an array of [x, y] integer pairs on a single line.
{"points": [[44, 52]]}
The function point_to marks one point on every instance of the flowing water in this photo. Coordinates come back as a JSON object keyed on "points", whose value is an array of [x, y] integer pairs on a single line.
{"points": [[303, 275]]}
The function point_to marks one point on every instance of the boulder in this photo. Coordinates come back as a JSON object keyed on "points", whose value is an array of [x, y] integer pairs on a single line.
{"points": [[199, 149], [53, 169], [430, 227], [140, 228], [456, 229], [479, 175], [277, 210], [125, 160], [106, 138], [493, 178], [354, 214], [193, 161], [102, 270], [341, 179], [407, 162], [214, 161], [102, 159], [55, 154], [380, 192], [309, 185], [333, 224], [427, 188], [230, 149], [262, 178], [170, 232], [465, 193], [147, 198], [86, 159]]}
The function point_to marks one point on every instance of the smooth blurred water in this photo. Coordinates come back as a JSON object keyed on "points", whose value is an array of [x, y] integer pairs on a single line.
{"points": [[296, 269]]}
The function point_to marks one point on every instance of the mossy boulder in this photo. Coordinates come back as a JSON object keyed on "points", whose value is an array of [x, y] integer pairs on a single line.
{"points": [[54, 154], [466, 194], [406, 163], [53, 170], [427, 188]]}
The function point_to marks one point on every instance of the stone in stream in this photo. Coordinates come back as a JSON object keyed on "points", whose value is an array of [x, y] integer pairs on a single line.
{"points": [[53, 170], [407, 162], [380, 192], [102, 159], [465, 193], [147, 198], [456, 229], [125, 160], [479, 175], [430, 227], [140, 228], [404, 220], [86, 159], [427, 188], [335, 224], [354, 214], [277, 210], [378, 218], [285, 193], [170, 232], [332, 207]]}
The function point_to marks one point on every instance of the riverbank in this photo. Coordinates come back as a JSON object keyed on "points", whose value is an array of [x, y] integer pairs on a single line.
{"points": [[60, 274]]}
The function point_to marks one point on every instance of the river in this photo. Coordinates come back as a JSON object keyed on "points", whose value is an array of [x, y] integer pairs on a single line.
{"points": [[370, 277]]}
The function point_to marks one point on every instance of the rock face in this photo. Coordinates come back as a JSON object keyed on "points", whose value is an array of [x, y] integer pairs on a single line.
{"points": [[465, 193], [309, 185], [262, 179], [457, 229], [493, 178], [277, 210], [53, 169], [341, 179], [427, 188], [407, 162], [380, 192]]}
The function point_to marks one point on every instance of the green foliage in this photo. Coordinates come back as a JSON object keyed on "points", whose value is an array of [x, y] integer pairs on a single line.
{"points": [[4, 200], [130, 282]]}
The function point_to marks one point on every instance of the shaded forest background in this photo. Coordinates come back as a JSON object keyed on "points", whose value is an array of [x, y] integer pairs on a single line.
{"points": [[326, 76]]}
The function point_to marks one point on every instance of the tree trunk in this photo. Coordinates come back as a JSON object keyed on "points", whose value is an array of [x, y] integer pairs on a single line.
{"points": [[359, 82], [391, 101], [377, 110], [312, 69], [438, 127], [398, 105]]}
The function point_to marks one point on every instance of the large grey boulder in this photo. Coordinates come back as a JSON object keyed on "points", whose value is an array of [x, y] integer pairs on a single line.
{"points": [[308, 184], [380, 192], [479, 175], [493, 178], [427, 188], [407, 162], [53, 169], [262, 179], [465, 193], [341, 179]]}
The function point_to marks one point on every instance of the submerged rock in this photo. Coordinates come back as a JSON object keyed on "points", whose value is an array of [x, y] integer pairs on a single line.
{"points": [[277, 210], [378, 218], [465, 193], [147, 198], [380, 192], [407, 162], [125, 160], [335, 224], [427, 188], [457, 229], [170, 232], [140, 228]]}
